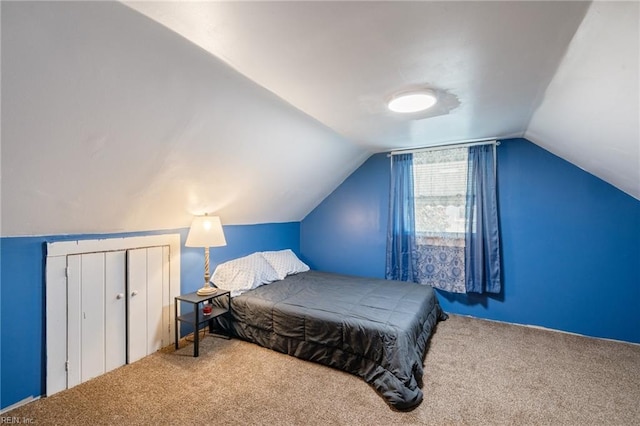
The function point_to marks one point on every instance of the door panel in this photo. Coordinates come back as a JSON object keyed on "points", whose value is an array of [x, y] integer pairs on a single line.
{"points": [[154, 299], [93, 311], [137, 296], [148, 280], [74, 320], [167, 307], [56, 327], [115, 310]]}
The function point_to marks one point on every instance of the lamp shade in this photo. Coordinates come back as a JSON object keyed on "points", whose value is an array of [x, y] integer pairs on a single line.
{"points": [[206, 231]]}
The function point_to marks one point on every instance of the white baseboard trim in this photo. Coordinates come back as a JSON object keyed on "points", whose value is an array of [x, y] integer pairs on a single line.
{"points": [[548, 329], [19, 404]]}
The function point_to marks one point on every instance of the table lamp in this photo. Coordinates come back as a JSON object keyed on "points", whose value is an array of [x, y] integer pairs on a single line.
{"points": [[206, 231]]}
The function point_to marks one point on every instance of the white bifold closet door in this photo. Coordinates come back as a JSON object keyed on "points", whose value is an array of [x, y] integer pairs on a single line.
{"points": [[118, 309], [96, 315], [149, 321]]}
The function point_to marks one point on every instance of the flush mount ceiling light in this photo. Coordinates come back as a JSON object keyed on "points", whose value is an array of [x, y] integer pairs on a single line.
{"points": [[412, 101]]}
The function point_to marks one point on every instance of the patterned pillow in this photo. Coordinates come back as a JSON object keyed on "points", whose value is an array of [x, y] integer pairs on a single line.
{"points": [[243, 274], [284, 262]]}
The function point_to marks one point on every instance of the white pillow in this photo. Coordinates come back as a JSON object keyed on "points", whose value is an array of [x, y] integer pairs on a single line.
{"points": [[243, 274], [284, 262]]}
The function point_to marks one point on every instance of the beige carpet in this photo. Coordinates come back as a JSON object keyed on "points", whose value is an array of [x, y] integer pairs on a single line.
{"points": [[477, 372]]}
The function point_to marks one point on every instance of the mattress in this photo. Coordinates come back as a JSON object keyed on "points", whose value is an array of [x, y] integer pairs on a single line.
{"points": [[376, 329]]}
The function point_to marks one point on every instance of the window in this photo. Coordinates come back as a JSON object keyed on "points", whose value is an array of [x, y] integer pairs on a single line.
{"points": [[434, 236], [440, 188]]}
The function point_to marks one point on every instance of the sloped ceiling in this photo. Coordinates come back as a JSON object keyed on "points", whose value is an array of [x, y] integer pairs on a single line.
{"points": [[340, 61], [132, 117], [110, 122], [492, 63], [590, 114]]}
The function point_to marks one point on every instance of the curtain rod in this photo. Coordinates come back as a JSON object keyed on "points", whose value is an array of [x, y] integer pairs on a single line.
{"points": [[446, 145]]}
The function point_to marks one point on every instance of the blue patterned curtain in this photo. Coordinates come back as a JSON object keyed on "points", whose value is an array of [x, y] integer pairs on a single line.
{"points": [[401, 246], [482, 243], [441, 265]]}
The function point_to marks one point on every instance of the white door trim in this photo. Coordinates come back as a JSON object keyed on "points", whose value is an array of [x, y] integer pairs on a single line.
{"points": [[64, 248]]}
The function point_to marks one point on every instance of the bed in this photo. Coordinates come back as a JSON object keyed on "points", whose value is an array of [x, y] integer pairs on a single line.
{"points": [[373, 328]]}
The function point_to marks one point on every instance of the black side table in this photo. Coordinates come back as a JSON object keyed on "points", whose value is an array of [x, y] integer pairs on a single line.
{"points": [[197, 317]]}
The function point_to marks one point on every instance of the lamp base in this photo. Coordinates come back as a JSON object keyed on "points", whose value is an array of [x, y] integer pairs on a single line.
{"points": [[207, 290]]}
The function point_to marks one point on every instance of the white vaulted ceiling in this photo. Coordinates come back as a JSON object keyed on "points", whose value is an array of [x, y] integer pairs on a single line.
{"points": [[124, 117], [340, 61], [491, 61], [110, 122], [590, 114]]}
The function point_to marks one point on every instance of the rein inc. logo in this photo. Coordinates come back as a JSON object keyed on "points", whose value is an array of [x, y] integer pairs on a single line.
{"points": [[6, 420]]}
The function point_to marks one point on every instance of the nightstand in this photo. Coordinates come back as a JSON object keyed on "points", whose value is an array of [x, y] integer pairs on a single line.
{"points": [[196, 318]]}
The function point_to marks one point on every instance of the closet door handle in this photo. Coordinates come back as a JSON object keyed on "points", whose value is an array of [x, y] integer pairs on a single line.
{"points": [[134, 293], [119, 295]]}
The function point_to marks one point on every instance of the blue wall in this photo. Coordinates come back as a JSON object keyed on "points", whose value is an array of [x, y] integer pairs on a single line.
{"points": [[570, 243], [22, 304], [346, 233]]}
